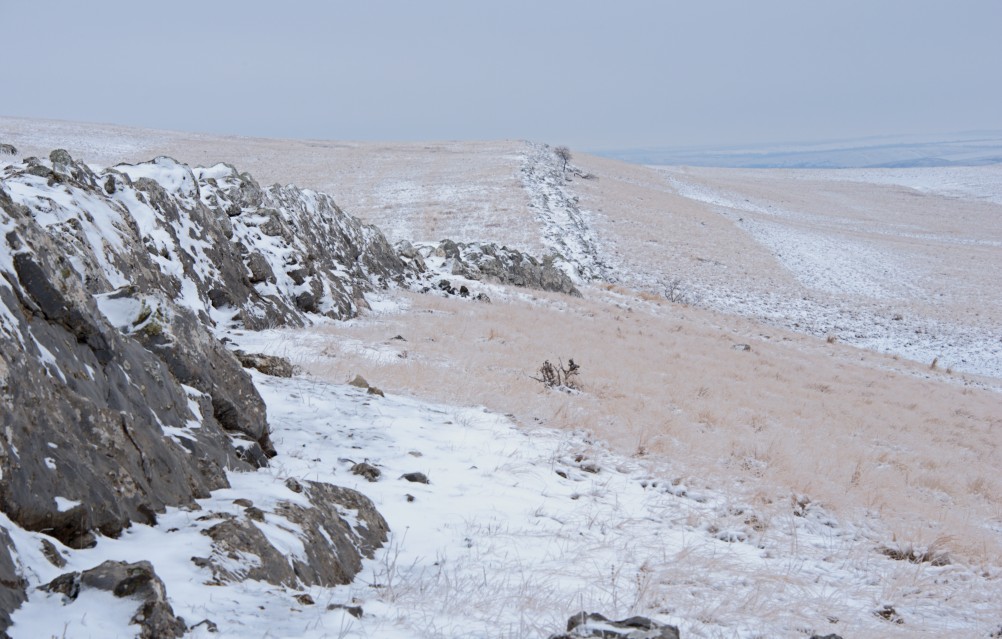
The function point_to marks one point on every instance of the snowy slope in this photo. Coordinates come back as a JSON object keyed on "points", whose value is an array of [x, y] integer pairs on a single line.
{"points": [[517, 530]]}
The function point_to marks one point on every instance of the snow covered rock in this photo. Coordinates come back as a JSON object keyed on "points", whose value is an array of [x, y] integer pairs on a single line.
{"points": [[96, 432], [567, 229], [488, 261], [171, 252], [595, 625], [154, 615], [302, 254], [208, 239], [318, 540]]}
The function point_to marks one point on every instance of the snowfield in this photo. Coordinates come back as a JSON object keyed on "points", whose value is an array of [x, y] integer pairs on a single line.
{"points": [[806, 441]]}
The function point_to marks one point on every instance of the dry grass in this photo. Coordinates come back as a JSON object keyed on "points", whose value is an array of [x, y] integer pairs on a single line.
{"points": [[865, 436]]}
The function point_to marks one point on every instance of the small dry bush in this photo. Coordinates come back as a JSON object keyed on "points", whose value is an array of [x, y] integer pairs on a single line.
{"points": [[559, 376]]}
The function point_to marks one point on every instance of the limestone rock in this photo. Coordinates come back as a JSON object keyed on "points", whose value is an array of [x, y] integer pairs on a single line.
{"points": [[595, 625], [507, 266], [62, 364], [154, 615], [332, 546]]}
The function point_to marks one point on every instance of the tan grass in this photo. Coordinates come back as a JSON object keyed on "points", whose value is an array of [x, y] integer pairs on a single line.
{"points": [[794, 415]]}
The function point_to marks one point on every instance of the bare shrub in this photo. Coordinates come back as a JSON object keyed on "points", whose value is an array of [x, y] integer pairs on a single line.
{"points": [[676, 291], [564, 154], [559, 376]]}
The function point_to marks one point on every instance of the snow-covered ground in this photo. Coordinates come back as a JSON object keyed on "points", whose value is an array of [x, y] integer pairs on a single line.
{"points": [[893, 260], [518, 529], [522, 525]]}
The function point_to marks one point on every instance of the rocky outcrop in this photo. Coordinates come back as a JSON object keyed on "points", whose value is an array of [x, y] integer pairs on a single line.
{"points": [[595, 625], [333, 544], [96, 431], [302, 253], [207, 239], [566, 228], [171, 252], [8, 149], [487, 261], [116, 399], [154, 615]]}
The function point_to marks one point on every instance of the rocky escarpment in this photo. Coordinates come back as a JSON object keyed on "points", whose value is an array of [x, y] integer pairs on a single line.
{"points": [[210, 239], [170, 251], [12, 584], [117, 400]]}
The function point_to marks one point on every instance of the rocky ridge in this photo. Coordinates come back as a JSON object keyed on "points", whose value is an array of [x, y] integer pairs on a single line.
{"points": [[486, 262], [565, 225], [119, 401]]}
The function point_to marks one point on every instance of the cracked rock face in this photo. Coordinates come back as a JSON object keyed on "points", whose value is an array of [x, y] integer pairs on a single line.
{"points": [[167, 251], [96, 432]]}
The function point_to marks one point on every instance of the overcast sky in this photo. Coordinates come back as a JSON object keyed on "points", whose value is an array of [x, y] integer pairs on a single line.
{"points": [[586, 73]]}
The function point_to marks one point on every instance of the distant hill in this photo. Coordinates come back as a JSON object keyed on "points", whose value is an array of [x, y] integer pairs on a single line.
{"points": [[963, 149]]}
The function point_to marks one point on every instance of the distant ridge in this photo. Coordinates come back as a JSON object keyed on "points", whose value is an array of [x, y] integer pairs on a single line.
{"points": [[975, 148]]}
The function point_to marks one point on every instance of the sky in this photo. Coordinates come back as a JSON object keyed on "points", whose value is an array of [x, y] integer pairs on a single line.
{"points": [[590, 74]]}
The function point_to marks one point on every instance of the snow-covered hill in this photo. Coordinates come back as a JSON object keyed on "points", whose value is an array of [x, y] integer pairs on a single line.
{"points": [[722, 467]]}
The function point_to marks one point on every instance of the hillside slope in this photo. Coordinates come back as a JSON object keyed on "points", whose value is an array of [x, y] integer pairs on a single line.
{"points": [[721, 465], [898, 261]]}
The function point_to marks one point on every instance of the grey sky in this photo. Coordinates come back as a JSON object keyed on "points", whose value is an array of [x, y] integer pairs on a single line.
{"points": [[584, 73]]}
